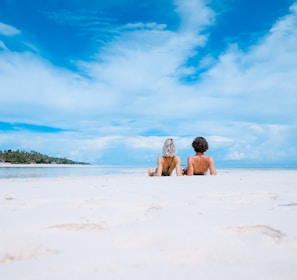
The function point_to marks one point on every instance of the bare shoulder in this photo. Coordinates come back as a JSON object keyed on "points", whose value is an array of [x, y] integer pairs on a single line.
{"points": [[160, 159], [209, 158], [190, 160]]}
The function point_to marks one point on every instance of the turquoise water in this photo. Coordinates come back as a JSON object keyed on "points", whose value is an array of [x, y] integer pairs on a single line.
{"points": [[41, 171], [33, 171]]}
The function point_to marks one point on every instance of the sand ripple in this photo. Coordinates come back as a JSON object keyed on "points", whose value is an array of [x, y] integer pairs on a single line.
{"points": [[76, 227], [26, 255]]}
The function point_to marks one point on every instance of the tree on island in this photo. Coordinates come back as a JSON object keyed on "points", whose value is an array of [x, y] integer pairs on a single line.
{"points": [[33, 157]]}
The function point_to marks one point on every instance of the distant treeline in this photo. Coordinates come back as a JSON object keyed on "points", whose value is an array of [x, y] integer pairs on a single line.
{"points": [[32, 157]]}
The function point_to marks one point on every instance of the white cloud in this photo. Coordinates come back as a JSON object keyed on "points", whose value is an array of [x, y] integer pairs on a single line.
{"points": [[245, 104], [195, 15], [259, 82], [3, 46], [236, 155], [141, 25], [8, 30]]}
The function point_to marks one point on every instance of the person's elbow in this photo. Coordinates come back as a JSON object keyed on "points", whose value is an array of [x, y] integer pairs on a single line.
{"points": [[213, 172]]}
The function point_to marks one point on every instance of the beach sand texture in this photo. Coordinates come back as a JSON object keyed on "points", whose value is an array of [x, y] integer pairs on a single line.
{"points": [[241, 224]]}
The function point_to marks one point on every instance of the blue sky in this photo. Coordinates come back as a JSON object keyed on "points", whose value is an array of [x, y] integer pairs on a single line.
{"points": [[107, 82]]}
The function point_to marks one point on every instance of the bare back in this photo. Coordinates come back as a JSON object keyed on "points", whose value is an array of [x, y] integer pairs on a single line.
{"points": [[166, 165], [199, 164]]}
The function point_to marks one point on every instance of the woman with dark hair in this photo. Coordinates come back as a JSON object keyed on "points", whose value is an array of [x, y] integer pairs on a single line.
{"points": [[200, 163], [168, 162]]}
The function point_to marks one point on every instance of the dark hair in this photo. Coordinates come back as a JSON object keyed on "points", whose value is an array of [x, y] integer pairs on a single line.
{"points": [[200, 145]]}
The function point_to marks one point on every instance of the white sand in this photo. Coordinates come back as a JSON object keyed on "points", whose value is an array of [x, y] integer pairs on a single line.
{"points": [[237, 225]]}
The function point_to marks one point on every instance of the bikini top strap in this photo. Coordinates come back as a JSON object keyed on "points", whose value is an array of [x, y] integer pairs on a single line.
{"points": [[169, 164]]}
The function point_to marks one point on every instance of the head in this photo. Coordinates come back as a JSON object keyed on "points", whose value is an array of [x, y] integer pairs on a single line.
{"points": [[169, 148], [200, 145]]}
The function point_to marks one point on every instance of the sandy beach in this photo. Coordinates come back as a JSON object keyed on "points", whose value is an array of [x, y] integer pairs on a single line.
{"points": [[240, 224]]}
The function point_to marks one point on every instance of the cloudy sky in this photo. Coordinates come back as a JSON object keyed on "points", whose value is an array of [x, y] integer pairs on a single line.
{"points": [[107, 82]]}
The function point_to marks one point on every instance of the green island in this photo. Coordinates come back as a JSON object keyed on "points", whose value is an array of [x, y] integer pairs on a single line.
{"points": [[22, 157]]}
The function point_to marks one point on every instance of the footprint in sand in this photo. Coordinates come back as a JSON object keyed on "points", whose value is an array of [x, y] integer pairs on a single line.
{"points": [[8, 197], [154, 207], [275, 234]]}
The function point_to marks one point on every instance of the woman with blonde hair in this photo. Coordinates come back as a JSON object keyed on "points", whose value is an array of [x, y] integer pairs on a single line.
{"points": [[168, 162]]}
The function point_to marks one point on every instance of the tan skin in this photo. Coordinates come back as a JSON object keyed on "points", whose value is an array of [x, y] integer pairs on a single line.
{"points": [[199, 164], [162, 166]]}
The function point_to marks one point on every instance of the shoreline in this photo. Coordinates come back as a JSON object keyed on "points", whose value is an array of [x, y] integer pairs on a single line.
{"points": [[10, 171]]}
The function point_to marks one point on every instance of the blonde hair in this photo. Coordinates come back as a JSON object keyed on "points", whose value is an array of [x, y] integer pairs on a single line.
{"points": [[169, 148]]}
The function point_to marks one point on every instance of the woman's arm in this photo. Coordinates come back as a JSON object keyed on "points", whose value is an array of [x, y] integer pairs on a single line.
{"points": [[159, 168], [190, 168], [178, 168], [212, 169]]}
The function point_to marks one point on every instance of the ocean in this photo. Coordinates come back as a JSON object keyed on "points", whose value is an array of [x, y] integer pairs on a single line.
{"points": [[58, 170]]}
